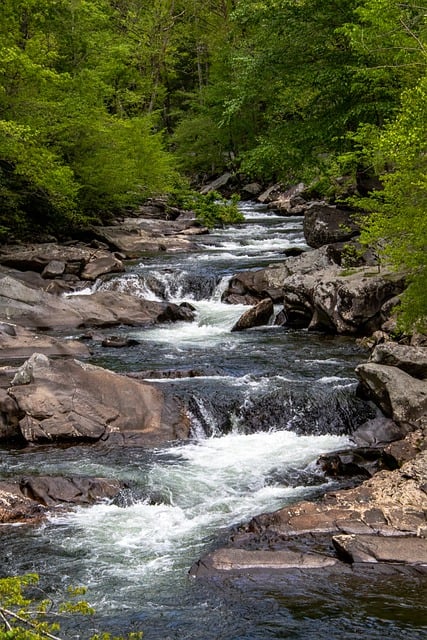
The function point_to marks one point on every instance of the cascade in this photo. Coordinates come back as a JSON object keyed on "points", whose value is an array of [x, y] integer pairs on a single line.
{"points": [[265, 404]]}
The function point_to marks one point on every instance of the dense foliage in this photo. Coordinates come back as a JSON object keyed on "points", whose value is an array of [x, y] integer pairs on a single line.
{"points": [[27, 614], [106, 102]]}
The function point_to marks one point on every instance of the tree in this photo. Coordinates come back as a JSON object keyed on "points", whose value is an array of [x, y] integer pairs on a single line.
{"points": [[31, 618], [398, 220]]}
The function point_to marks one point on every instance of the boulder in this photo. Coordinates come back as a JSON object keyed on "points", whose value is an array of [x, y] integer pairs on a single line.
{"points": [[340, 302], [399, 395], [378, 432], [67, 400], [251, 190], [15, 507], [134, 241], [270, 194], [77, 490], [411, 359], [237, 561], [249, 287], [54, 269], [360, 462], [256, 316], [100, 266], [290, 202], [36, 309], [326, 224], [53, 261]]}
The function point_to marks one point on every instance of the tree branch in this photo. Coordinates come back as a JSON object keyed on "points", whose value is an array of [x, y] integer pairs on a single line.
{"points": [[6, 612]]}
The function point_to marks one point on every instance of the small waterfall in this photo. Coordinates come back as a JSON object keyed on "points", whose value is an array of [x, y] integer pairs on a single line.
{"points": [[168, 284], [269, 405]]}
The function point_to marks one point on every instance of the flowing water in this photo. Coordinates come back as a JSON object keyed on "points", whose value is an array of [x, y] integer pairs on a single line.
{"points": [[265, 403]]}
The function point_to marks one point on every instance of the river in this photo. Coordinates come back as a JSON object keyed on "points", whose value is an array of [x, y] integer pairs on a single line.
{"points": [[264, 405]]}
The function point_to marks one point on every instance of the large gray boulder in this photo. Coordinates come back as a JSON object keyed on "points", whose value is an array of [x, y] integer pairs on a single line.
{"points": [[56, 261], [413, 360], [68, 400], [399, 395], [326, 224], [340, 302], [249, 287]]}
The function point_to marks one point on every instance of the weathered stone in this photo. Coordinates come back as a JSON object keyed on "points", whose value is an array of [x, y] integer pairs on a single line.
{"points": [[100, 266], [20, 344], [270, 194], [290, 202], [33, 308], [133, 241], [399, 395], [15, 507], [396, 549], [342, 303], [80, 490], [28, 499], [71, 401], [363, 461], [326, 224], [54, 269], [241, 560], [53, 261], [256, 316], [378, 432], [222, 181], [251, 286], [413, 360]]}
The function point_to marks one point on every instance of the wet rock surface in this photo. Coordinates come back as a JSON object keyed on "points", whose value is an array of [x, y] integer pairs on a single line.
{"points": [[28, 499], [256, 316], [380, 514]]}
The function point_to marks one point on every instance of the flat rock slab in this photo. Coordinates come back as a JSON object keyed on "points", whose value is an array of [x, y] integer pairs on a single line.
{"points": [[242, 560], [395, 549], [18, 343]]}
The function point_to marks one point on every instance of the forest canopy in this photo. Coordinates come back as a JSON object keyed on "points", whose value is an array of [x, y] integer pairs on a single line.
{"points": [[104, 103]]}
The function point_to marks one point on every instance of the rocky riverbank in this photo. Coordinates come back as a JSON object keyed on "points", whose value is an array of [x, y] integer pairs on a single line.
{"points": [[53, 398]]}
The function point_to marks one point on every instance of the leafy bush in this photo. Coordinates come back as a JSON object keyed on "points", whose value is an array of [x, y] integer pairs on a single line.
{"points": [[212, 210], [30, 618]]}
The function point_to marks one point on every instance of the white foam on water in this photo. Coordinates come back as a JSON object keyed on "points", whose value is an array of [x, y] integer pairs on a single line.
{"points": [[207, 485]]}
